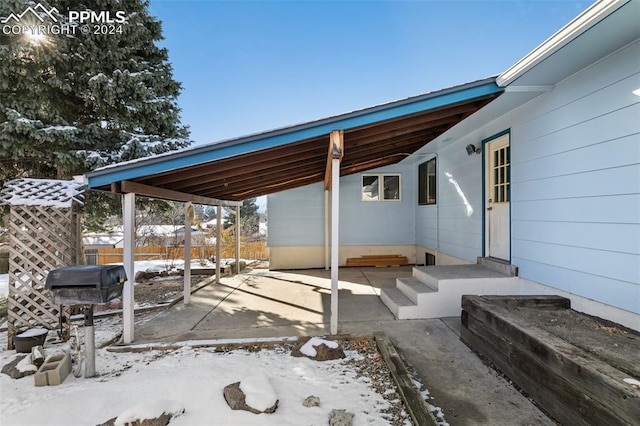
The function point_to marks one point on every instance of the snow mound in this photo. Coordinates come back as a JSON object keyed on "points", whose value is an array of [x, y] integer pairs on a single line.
{"points": [[149, 410], [258, 392], [309, 350]]}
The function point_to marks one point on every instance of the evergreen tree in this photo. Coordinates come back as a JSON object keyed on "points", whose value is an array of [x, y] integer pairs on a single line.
{"points": [[249, 218], [72, 102]]}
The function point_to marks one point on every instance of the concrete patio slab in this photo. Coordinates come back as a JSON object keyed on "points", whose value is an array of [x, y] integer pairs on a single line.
{"points": [[261, 303]]}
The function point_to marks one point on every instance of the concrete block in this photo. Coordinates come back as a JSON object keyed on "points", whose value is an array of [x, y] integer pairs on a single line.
{"points": [[55, 369]]}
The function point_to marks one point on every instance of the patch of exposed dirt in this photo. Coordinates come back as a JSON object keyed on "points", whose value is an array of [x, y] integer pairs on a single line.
{"points": [[156, 291], [160, 290], [612, 343]]}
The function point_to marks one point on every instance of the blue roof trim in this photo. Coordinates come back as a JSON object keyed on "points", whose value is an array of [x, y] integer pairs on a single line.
{"points": [[136, 169]]}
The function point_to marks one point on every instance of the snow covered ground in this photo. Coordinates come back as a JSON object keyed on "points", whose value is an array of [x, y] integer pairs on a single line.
{"points": [[193, 378], [141, 265], [4, 285]]}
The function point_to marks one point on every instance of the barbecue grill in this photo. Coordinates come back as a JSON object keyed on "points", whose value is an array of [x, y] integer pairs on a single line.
{"points": [[86, 285]]}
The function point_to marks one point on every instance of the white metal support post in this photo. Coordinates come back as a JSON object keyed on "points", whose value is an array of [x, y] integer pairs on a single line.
{"points": [[238, 228], [335, 152], [218, 241], [327, 240], [188, 218], [129, 221], [335, 237]]}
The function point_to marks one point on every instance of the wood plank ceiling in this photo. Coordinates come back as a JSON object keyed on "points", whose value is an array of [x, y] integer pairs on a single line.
{"points": [[301, 163]]}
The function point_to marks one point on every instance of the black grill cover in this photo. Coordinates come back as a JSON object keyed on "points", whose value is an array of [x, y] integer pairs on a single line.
{"points": [[83, 284]]}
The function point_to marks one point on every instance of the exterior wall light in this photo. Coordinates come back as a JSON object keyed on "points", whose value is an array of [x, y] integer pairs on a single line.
{"points": [[472, 149]]}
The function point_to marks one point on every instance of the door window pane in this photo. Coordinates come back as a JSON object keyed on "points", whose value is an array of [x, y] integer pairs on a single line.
{"points": [[501, 175]]}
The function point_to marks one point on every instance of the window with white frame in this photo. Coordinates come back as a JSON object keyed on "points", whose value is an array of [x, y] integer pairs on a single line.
{"points": [[380, 187], [427, 182]]}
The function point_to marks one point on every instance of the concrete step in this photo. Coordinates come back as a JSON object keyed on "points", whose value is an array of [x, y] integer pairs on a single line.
{"points": [[436, 291], [422, 273], [414, 289], [400, 306]]}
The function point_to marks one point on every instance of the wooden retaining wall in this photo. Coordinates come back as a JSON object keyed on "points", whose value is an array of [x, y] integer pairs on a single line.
{"points": [[570, 384]]}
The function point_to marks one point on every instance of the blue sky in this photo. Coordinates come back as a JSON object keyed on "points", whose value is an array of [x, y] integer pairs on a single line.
{"points": [[251, 66]]}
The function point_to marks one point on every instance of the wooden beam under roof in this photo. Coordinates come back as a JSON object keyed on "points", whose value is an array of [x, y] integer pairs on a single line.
{"points": [[247, 169], [279, 155], [336, 151], [297, 169], [127, 187]]}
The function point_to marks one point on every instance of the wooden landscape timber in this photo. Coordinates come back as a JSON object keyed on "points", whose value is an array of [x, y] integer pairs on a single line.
{"points": [[378, 260], [573, 386]]}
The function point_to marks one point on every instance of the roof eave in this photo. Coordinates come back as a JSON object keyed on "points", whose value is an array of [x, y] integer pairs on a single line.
{"points": [[137, 168], [583, 22]]}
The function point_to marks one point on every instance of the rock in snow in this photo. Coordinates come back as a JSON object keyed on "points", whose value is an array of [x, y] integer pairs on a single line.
{"points": [[254, 394], [19, 367], [311, 401], [152, 413], [340, 418], [318, 349]]}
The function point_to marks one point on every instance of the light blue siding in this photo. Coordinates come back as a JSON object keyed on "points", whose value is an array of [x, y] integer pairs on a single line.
{"points": [[596, 183], [575, 193], [427, 226], [454, 225], [576, 184], [621, 294], [575, 189], [296, 217], [613, 237], [378, 222]]}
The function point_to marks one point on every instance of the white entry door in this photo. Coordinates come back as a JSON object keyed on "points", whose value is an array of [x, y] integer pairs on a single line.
{"points": [[497, 195]]}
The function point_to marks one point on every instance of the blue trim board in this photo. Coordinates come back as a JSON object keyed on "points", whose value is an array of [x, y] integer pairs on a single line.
{"points": [[139, 168]]}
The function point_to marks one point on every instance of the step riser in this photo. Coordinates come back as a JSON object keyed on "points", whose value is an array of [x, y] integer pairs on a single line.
{"points": [[421, 274], [416, 296], [481, 286], [503, 267], [389, 304]]}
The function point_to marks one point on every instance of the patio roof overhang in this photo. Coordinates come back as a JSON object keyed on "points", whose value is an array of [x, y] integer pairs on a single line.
{"points": [[295, 156]]}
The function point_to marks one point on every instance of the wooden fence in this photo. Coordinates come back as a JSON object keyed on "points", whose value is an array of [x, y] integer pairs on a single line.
{"points": [[251, 251]]}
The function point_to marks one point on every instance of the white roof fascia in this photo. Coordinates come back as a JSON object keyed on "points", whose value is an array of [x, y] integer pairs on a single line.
{"points": [[587, 19]]}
